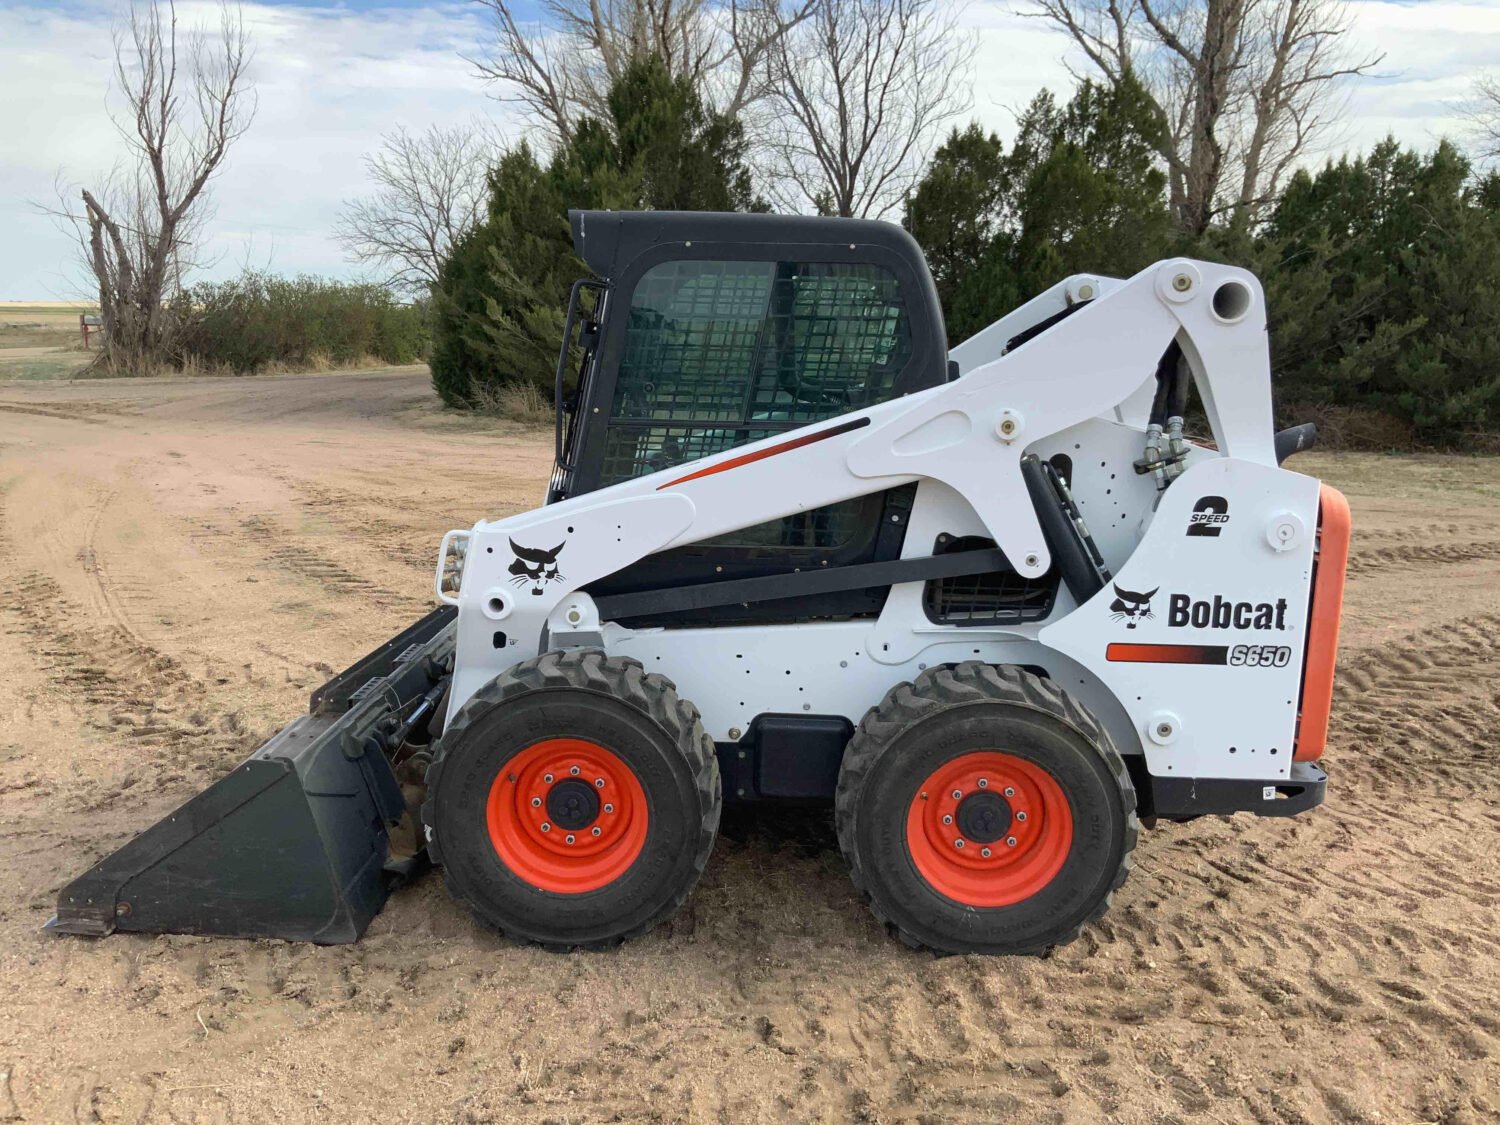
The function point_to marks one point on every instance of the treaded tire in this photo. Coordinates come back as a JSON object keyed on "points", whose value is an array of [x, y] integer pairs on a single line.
{"points": [[638, 717], [967, 708]]}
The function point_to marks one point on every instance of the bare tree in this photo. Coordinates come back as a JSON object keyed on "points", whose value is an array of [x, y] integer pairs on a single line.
{"points": [[430, 190], [1484, 115], [560, 66], [1245, 87], [186, 100], [858, 92]]}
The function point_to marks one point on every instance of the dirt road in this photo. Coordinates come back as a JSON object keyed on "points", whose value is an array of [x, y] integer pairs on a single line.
{"points": [[182, 561]]}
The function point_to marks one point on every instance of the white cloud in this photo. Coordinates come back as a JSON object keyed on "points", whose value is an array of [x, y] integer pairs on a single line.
{"points": [[331, 80]]}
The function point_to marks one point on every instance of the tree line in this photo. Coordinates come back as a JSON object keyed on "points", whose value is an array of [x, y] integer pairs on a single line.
{"points": [[1380, 270], [1186, 140], [1189, 132]]}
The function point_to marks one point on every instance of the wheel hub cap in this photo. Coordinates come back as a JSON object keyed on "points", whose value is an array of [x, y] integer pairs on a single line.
{"points": [[572, 804], [983, 816]]}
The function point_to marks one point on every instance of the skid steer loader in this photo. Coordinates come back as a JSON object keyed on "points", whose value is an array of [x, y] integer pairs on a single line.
{"points": [[994, 604]]}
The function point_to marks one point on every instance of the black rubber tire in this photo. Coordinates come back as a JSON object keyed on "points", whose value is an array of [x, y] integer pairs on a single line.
{"points": [[639, 717], [950, 711]]}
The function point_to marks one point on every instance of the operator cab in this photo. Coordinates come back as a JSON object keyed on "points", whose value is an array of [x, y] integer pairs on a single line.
{"points": [[706, 331]]}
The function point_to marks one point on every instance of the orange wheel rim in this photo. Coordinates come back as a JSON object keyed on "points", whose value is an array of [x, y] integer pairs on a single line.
{"points": [[989, 829], [567, 816]]}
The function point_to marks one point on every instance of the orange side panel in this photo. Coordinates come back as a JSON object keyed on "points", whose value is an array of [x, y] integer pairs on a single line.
{"points": [[1334, 526]]}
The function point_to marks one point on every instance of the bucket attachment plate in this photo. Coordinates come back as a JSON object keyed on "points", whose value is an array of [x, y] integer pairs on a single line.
{"points": [[293, 844]]}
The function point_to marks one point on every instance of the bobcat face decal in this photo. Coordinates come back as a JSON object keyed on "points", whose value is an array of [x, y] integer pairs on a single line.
{"points": [[535, 567], [1131, 607]]}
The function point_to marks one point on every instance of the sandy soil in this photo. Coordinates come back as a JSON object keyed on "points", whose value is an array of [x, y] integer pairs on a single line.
{"points": [[181, 561]]}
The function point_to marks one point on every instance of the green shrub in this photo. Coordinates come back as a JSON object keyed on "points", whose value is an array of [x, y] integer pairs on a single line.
{"points": [[1382, 275], [258, 321]]}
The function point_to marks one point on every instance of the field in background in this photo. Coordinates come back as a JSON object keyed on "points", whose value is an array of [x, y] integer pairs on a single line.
{"points": [[40, 339], [183, 561], [39, 323]]}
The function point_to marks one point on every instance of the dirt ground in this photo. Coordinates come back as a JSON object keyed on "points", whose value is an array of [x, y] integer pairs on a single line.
{"points": [[182, 561]]}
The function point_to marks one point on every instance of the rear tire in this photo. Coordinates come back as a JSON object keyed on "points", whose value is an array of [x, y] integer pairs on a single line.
{"points": [[1031, 849], [574, 801]]}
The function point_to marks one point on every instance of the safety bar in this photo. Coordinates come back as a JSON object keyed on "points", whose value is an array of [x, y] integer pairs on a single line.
{"points": [[562, 366]]}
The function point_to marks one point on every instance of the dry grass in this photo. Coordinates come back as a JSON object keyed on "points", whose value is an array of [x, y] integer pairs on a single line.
{"points": [[63, 364], [28, 335], [517, 402]]}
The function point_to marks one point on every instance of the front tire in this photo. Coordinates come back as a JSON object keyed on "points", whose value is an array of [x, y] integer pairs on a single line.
{"points": [[983, 810], [574, 801]]}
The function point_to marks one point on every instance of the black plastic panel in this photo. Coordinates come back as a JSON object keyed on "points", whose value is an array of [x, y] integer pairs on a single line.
{"points": [[786, 757]]}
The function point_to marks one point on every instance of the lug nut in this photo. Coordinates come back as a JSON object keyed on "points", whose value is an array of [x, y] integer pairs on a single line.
{"points": [[609, 808], [958, 843], [574, 771], [957, 793], [595, 830], [598, 783], [547, 777], [1021, 815], [985, 852], [1009, 792], [984, 783], [546, 827], [536, 802], [1010, 841], [570, 837], [947, 820]]}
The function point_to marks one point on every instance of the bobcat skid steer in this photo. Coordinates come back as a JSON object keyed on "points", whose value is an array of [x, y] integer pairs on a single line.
{"points": [[993, 604]]}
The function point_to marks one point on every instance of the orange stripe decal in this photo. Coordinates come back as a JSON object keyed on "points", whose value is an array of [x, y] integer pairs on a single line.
{"points": [[762, 454], [1167, 654], [1334, 527]]}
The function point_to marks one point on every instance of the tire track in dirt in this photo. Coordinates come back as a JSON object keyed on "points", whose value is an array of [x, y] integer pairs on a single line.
{"points": [[1228, 922], [281, 549], [1368, 560], [117, 683], [1423, 545], [88, 411], [105, 590], [416, 548], [124, 689]]}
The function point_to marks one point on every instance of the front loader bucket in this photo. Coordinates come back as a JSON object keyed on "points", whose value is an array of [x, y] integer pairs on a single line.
{"points": [[293, 844]]}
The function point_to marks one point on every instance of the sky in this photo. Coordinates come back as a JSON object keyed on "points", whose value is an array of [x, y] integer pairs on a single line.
{"points": [[332, 76]]}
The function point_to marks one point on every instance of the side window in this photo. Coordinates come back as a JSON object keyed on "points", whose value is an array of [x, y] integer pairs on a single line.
{"points": [[718, 354]]}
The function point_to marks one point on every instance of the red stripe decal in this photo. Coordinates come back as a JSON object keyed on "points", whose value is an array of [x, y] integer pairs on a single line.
{"points": [[1167, 654], [762, 454]]}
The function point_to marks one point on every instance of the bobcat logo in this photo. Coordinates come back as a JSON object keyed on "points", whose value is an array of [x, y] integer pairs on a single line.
{"points": [[1131, 607], [535, 567]]}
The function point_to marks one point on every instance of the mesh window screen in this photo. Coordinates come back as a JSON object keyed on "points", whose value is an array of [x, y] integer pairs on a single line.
{"points": [[777, 343], [718, 354]]}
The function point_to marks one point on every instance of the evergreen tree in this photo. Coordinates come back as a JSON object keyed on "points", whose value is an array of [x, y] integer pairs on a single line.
{"points": [[501, 303], [1078, 191], [681, 155], [955, 211], [1382, 278]]}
